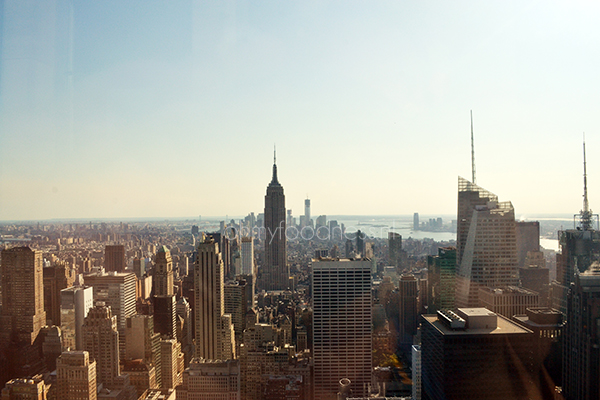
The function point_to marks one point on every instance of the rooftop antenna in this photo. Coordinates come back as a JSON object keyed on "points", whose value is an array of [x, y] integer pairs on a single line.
{"points": [[586, 213], [274, 154], [472, 152]]}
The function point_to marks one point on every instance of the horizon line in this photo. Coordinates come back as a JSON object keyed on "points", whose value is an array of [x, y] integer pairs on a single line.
{"points": [[219, 218]]}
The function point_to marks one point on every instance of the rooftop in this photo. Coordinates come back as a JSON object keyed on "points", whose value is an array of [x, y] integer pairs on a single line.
{"points": [[503, 325], [331, 259], [508, 290]]}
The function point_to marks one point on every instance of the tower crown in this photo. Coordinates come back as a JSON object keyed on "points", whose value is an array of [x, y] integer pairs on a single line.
{"points": [[274, 181]]}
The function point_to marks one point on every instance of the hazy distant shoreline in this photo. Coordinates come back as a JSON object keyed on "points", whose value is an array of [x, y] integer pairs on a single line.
{"points": [[207, 219]]}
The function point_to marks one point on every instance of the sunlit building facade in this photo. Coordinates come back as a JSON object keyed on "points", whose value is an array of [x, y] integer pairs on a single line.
{"points": [[486, 243]]}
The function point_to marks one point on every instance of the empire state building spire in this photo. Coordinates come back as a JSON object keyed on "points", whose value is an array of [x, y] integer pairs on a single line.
{"points": [[274, 273], [274, 181]]}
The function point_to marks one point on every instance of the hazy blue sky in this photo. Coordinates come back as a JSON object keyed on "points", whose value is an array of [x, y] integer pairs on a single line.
{"points": [[172, 108]]}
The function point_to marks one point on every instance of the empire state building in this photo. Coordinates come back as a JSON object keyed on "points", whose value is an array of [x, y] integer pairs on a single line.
{"points": [[274, 274]]}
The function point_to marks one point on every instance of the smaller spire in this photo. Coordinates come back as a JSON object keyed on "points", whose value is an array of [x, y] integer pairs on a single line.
{"points": [[274, 154]]}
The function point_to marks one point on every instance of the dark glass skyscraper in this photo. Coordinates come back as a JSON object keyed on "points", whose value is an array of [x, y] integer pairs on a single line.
{"points": [[581, 354], [274, 274]]}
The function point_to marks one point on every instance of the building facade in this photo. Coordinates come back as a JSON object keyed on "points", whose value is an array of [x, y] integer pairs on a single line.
{"points": [[441, 277], [408, 291], [171, 363], [56, 278], [162, 278], [416, 372], [165, 315], [75, 303], [214, 336], [23, 312], [394, 248], [486, 243], [211, 380], [101, 341], [342, 318], [141, 342], [117, 290], [528, 239], [508, 301], [114, 258], [76, 376], [22, 315], [581, 350], [474, 353], [25, 389], [248, 256]]}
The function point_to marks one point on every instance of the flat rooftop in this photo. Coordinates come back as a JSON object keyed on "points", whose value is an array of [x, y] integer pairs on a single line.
{"points": [[477, 312], [505, 290], [504, 325]]}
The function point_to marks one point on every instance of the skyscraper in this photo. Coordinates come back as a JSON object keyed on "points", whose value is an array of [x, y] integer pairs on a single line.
{"points": [[476, 354], [580, 247], [56, 278], [75, 303], [394, 248], [143, 343], [274, 273], [416, 372], [162, 279], [114, 258], [581, 349], [22, 315], [408, 291], [307, 212], [171, 363], [214, 336], [236, 304], [117, 290], [528, 239], [165, 315], [101, 340], [342, 338], [360, 243], [247, 256], [441, 276], [486, 243], [23, 312], [76, 376]]}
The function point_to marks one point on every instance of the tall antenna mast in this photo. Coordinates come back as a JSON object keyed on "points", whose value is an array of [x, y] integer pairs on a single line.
{"points": [[586, 213], [274, 154], [472, 152], [586, 205]]}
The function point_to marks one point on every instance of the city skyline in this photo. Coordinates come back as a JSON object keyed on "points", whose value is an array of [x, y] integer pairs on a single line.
{"points": [[352, 95]]}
